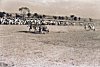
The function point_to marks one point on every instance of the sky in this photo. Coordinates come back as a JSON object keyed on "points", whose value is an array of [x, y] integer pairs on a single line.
{"points": [[82, 8]]}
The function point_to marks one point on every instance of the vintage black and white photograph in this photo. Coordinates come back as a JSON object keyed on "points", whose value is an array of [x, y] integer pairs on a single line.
{"points": [[49, 33]]}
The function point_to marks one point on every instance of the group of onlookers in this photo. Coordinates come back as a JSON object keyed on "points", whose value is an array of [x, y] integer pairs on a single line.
{"points": [[10, 21]]}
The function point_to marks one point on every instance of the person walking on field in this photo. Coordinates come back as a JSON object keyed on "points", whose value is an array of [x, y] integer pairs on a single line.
{"points": [[92, 27], [89, 26], [30, 25]]}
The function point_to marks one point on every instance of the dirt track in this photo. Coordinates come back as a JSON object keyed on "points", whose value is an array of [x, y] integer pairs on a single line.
{"points": [[64, 46]]}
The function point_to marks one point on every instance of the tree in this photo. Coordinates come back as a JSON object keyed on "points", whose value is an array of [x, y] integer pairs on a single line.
{"points": [[2, 14], [29, 14], [59, 17], [35, 15], [75, 18], [55, 17], [24, 11], [72, 17], [39, 16], [66, 17], [62, 18], [8, 15], [18, 16], [44, 16], [90, 19], [79, 18]]}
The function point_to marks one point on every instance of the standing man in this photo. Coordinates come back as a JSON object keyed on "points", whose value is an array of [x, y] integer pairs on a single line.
{"points": [[30, 25]]}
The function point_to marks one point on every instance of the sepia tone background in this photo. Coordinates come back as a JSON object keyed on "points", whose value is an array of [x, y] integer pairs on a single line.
{"points": [[63, 46], [83, 8]]}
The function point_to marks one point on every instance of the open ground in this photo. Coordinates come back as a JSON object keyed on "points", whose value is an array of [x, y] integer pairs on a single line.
{"points": [[63, 46]]}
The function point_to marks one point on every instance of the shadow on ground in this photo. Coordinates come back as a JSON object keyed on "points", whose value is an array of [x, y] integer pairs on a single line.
{"points": [[2, 64], [29, 32]]}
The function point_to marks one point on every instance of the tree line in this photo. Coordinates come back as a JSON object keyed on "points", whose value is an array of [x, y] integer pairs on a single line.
{"points": [[25, 13]]}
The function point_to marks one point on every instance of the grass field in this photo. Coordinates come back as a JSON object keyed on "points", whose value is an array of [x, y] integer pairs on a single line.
{"points": [[63, 46]]}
